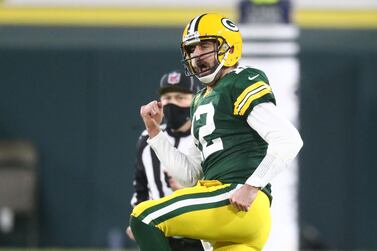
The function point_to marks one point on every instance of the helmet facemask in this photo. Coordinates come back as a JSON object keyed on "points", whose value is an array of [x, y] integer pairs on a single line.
{"points": [[205, 73]]}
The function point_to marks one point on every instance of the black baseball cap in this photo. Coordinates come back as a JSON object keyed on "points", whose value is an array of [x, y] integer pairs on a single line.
{"points": [[177, 81]]}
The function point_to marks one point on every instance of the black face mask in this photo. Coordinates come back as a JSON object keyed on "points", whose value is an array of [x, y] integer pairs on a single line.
{"points": [[176, 116]]}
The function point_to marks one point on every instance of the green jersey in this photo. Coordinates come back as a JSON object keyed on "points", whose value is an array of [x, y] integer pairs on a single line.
{"points": [[231, 149]]}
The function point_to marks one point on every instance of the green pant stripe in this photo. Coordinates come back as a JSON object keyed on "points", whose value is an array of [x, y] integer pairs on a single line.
{"points": [[184, 197], [187, 209]]}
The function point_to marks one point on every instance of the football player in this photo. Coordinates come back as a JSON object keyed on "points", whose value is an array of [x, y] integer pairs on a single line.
{"points": [[242, 142]]}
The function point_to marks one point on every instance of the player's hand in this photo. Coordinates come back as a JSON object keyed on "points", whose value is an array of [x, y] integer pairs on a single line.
{"points": [[129, 233], [243, 197], [152, 115]]}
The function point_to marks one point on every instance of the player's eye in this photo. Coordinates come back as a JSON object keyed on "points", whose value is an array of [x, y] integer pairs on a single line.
{"points": [[190, 49], [206, 44]]}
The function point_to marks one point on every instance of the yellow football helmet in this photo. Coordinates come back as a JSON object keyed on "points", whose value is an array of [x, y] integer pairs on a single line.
{"points": [[213, 27]]}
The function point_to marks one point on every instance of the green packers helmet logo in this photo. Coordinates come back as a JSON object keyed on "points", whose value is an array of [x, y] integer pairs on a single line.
{"points": [[229, 24]]}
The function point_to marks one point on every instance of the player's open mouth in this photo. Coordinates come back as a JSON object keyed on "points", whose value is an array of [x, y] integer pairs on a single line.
{"points": [[203, 69]]}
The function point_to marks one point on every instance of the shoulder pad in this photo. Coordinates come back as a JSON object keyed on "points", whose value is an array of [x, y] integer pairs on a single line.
{"points": [[250, 88], [249, 75]]}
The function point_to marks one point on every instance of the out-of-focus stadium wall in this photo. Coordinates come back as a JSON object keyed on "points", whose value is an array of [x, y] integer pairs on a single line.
{"points": [[76, 94], [338, 123], [321, 4]]}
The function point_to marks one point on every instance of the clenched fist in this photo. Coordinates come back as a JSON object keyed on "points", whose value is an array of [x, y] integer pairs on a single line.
{"points": [[152, 114]]}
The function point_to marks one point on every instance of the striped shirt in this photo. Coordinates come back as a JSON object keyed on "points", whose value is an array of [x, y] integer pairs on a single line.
{"points": [[150, 180]]}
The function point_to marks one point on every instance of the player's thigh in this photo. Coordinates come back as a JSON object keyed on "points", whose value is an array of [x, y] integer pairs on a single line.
{"points": [[204, 212], [220, 221]]}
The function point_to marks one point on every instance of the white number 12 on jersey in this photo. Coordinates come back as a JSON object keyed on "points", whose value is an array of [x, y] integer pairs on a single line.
{"points": [[207, 129]]}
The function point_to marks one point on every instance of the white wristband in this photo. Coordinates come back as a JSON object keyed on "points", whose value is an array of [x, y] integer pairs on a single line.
{"points": [[266, 171]]}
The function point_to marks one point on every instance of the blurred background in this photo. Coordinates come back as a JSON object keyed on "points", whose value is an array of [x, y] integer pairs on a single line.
{"points": [[73, 75]]}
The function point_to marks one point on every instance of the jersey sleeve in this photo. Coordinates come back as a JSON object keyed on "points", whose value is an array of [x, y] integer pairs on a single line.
{"points": [[251, 88]]}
